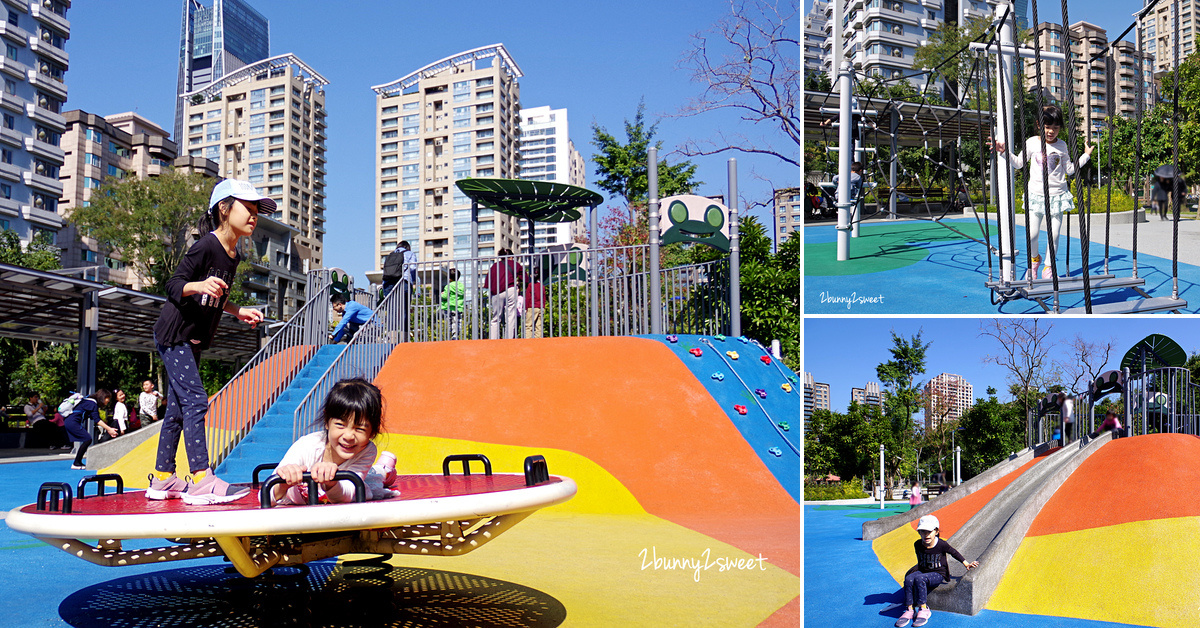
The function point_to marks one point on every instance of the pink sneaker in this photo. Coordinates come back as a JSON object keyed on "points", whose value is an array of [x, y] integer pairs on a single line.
{"points": [[904, 618], [212, 490], [922, 617], [170, 488]]}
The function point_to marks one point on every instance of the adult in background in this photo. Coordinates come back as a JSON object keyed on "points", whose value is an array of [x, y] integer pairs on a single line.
{"points": [[503, 279], [354, 315], [42, 431], [400, 269]]}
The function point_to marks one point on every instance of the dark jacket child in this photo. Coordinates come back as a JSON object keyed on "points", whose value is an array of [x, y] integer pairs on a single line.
{"points": [[930, 571]]}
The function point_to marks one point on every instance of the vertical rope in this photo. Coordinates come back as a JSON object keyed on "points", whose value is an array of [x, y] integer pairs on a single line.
{"points": [[1111, 119], [987, 233]]}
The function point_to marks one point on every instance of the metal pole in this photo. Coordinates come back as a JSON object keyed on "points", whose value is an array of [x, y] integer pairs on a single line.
{"points": [[957, 466], [882, 488], [1002, 130], [473, 276], [656, 322], [735, 279], [593, 268], [844, 157], [893, 164]]}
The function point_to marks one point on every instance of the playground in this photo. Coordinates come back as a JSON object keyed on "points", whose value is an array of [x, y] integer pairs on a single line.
{"points": [[936, 212], [1055, 527], [664, 506]]}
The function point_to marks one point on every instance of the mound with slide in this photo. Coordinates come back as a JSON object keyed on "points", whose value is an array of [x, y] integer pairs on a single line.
{"points": [[1056, 531]]}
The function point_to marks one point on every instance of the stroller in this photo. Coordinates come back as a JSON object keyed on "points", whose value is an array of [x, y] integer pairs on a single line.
{"points": [[820, 203]]}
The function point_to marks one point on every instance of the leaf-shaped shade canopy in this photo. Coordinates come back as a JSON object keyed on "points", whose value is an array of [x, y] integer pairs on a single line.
{"points": [[1159, 351], [538, 201]]}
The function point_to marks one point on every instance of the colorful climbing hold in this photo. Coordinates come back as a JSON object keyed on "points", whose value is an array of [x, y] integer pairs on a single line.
{"points": [[740, 409], [775, 451], [760, 392], [785, 426], [732, 355], [766, 359], [787, 388], [672, 338], [744, 340], [719, 376], [720, 337], [699, 352], [792, 378]]}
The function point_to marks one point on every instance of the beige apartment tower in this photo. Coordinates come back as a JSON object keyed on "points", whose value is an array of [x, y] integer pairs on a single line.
{"points": [[452, 119], [947, 397], [1092, 81], [265, 123]]}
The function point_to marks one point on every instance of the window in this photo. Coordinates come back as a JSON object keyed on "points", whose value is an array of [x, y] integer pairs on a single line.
{"points": [[10, 87], [14, 18], [91, 183], [256, 147], [10, 51], [87, 256], [387, 110], [91, 135], [6, 192], [411, 148]]}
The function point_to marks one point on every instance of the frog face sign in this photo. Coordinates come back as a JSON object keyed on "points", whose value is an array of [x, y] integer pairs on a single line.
{"points": [[695, 219]]}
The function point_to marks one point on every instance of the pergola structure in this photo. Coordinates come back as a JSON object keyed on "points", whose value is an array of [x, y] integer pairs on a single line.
{"points": [[39, 305], [535, 201]]}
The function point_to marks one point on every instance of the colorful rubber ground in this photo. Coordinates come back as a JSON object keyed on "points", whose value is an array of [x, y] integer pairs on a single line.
{"points": [[918, 267], [679, 519], [1116, 543]]}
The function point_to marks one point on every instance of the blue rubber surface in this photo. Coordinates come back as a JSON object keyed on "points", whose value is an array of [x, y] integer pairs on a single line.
{"points": [[844, 584], [950, 279], [760, 425]]}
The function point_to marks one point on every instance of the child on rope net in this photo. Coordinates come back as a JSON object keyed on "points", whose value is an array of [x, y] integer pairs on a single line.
{"points": [[1053, 167], [930, 571]]}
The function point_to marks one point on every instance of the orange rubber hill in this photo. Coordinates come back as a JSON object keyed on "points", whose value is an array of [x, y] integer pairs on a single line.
{"points": [[1157, 475], [627, 404], [952, 517]]}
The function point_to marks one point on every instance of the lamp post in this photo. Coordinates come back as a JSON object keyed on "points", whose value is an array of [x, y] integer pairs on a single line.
{"points": [[954, 449]]}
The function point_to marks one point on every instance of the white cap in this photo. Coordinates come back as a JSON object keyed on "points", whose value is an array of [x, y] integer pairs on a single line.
{"points": [[241, 190], [928, 522]]}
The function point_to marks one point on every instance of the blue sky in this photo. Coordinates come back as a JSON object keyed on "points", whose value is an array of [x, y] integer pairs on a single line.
{"points": [[844, 351], [596, 59]]}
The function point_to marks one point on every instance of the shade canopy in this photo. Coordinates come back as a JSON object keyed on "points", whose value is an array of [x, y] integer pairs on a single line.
{"points": [[1159, 351], [538, 201]]}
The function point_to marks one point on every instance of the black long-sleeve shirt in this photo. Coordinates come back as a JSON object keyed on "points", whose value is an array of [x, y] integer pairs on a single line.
{"points": [[195, 317], [934, 558]]}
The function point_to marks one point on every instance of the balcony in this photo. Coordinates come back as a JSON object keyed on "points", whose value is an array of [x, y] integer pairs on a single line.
{"points": [[15, 69], [23, 5], [48, 51], [43, 81], [46, 16], [15, 34], [43, 183], [12, 137], [15, 104], [41, 216], [44, 149], [10, 172], [46, 117]]}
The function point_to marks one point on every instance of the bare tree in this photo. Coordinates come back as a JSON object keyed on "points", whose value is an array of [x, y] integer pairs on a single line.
{"points": [[754, 69], [1024, 352], [1085, 361]]}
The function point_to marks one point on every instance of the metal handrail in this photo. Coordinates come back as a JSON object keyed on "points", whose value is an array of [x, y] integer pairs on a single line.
{"points": [[224, 430]]}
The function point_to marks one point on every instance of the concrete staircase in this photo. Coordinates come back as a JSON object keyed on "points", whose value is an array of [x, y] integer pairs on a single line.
{"points": [[271, 437]]}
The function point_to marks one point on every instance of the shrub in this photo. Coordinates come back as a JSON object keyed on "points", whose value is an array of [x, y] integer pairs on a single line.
{"points": [[852, 489]]}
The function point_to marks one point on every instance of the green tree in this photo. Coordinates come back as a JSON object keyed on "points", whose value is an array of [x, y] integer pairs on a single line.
{"points": [[940, 54], [40, 254], [770, 289], [623, 169], [146, 222], [899, 374], [991, 431]]}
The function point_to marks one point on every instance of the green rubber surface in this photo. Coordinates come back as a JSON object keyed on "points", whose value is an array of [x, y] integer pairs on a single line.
{"points": [[882, 247]]}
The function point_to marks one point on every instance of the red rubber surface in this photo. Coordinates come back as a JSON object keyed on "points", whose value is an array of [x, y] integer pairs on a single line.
{"points": [[411, 487]]}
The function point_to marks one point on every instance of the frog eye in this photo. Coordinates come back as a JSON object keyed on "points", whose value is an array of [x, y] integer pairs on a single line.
{"points": [[678, 212], [714, 216]]}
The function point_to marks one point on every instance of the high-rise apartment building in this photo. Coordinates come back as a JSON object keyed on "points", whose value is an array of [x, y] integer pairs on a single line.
{"points": [[455, 118], [868, 396], [788, 212], [1158, 33], [214, 41], [947, 396], [548, 154], [265, 123], [1090, 82], [33, 69], [880, 37], [816, 397]]}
